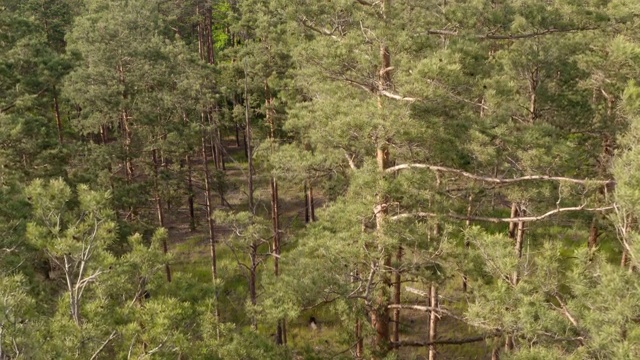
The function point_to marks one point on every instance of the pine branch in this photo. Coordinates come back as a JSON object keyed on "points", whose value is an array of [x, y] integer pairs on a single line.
{"points": [[500, 220], [498, 180]]}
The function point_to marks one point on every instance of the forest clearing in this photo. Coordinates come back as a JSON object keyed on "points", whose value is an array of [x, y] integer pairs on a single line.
{"points": [[335, 179]]}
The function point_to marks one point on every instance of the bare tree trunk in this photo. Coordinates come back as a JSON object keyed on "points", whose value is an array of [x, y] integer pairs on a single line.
{"points": [[165, 248], [433, 321]]}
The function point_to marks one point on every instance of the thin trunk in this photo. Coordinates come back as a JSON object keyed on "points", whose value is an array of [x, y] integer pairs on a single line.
{"points": [[276, 249], [593, 234], [208, 206], [248, 141], [104, 134], [306, 203], [127, 145], [465, 280], [397, 281], [237, 135], [190, 200], [359, 340], [275, 218], [495, 354], [433, 321], [215, 152], [518, 247], [311, 203], [380, 311], [159, 210], [508, 343], [253, 255], [220, 147], [56, 112], [534, 81]]}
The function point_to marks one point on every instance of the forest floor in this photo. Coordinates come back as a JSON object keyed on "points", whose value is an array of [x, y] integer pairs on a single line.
{"points": [[191, 255]]}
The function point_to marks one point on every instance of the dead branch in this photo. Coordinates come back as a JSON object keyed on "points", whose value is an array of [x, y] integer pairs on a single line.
{"points": [[500, 220], [111, 337], [497, 180], [492, 36]]}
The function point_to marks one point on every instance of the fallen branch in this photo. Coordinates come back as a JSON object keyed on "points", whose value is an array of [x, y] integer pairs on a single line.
{"points": [[495, 179]]}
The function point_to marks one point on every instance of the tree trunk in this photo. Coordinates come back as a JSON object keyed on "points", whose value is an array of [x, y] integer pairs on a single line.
{"points": [[359, 341], [160, 213], [380, 311], [433, 321], [593, 234], [465, 280], [209, 210], [396, 296], [518, 246], [275, 221], [192, 213], [247, 142], [56, 112], [253, 255], [309, 205]]}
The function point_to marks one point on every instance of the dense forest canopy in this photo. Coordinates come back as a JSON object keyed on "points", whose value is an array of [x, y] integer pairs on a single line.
{"points": [[271, 179]]}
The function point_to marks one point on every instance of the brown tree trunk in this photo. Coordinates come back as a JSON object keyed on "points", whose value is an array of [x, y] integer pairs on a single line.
{"points": [[190, 196]]}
